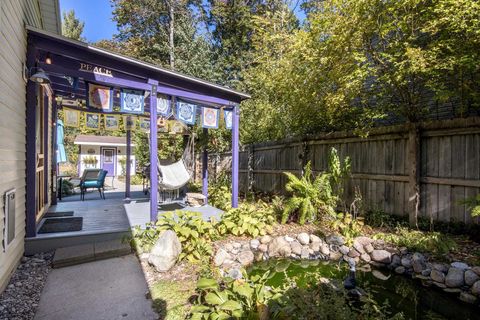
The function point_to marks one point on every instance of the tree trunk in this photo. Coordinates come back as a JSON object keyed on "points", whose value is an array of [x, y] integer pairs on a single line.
{"points": [[171, 43]]}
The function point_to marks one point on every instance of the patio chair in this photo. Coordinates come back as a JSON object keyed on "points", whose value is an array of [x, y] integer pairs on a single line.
{"points": [[93, 179]]}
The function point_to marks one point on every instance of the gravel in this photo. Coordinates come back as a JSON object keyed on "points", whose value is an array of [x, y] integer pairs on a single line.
{"points": [[20, 299]]}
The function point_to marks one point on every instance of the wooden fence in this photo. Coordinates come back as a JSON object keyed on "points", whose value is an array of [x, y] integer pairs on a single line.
{"points": [[430, 166]]}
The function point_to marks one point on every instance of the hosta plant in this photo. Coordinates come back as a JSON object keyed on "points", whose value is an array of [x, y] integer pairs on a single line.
{"points": [[252, 219], [311, 196]]}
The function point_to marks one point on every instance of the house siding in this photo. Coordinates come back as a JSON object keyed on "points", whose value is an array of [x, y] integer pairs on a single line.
{"points": [[14, 15]]}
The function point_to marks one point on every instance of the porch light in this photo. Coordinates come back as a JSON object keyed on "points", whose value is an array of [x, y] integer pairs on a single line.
{"points": [[40, 77], [48, 59]]}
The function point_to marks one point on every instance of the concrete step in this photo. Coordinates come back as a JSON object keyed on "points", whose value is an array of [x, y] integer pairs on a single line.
{"points": [[73, 255]]}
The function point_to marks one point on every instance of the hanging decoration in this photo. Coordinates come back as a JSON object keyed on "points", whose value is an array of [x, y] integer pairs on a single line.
{"points": [[210, 118], [228, 117], [111, 122], [71, 118], [99, 97], [92, 120], [162, 122], [132, 101], [163, 106], [186, 112], [144, 124], [129, 122]]}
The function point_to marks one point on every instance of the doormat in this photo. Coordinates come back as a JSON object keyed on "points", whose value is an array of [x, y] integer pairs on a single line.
{"points": [[170, 207], [56, 214], [61, 225]]}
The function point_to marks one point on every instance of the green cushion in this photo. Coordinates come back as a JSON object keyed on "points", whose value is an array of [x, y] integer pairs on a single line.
{"points": [[91, 184]]}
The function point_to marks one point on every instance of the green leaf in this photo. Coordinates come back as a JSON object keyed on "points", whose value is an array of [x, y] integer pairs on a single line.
{"points": [[244, 290], [206, 283], [214, 298], [231, 305]]}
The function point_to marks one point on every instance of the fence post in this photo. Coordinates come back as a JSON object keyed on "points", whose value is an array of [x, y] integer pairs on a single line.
{"points": [[413, 156], [250, 168]]}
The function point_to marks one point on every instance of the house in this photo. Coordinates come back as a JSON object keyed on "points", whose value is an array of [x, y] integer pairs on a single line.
{"points": [[40, 68], [105, 152], [14, 16]]}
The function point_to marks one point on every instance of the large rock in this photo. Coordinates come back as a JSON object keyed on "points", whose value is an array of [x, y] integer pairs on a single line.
{"points": [[315, 246], [254, 243], [324, 249], [382, 256], [296, 248], [165, 252], [358, 247], [314, 238], [369, 248], [406, 262], [279, 247], [366, 257], [344, 249], [468, 298], [460, 265], [265, 239], [454, 278], [363, 240], [418, 262], [245, 257], [263, 247], [437, 276], [471, 277], [303, 238], [442, 267], [220, 257], [476, 288], [305, 253], [352, 253], [335, 239], [476, 270]]}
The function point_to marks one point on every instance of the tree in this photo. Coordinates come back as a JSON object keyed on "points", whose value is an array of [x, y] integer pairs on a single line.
{"points": [[72, 27]]}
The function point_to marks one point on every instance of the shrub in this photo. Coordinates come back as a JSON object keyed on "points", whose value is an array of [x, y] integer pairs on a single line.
{"points": [[348, 226], [194, 234], [309, 197], [433, 242], [473, 204], [220, 197], [67, 187], [252, 219]]}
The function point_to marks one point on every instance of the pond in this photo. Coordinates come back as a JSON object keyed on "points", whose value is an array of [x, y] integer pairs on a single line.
{"points": [[402, 293]]}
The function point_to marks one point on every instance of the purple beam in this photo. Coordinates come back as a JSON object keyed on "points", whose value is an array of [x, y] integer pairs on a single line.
{"points": [[128, 164], [235, 157], [153, 152], [30, 164], [205, 166], [53, 164]]}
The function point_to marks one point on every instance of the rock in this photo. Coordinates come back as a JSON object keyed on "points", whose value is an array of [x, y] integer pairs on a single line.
{"points": [[305, 254], [442, 267], [344, 249], [335, 239], [369, 248], [437, 276], [418, 262], [296, 248], [254, 244], [279, 247], [288, 239], [358, 247], [471, 277], [382, 256], [476, 270], [258, 256], [335, 256], [454, 278], [366, 257], [220, 257], [144, 256], [303, 238], [379, 275], [314, 238], [468, 298], [315, 246], [406, 262], [263, 247], [452, 290], [400, 270], [236, 245], [246, 257], [235, 274], [165, 252], [426, 272], [440, 285], [324, 249], [265, 239], [460, 265], [228, 263], [363, 240], [353, 253], [396, 261], [228, 246], [476, 288]]}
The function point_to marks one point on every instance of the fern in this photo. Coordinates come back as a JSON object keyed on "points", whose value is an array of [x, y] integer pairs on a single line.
{"points": [[310, 196]]}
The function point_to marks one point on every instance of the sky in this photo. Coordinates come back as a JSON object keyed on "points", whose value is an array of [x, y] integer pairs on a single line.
{"points": [[97, 15]]}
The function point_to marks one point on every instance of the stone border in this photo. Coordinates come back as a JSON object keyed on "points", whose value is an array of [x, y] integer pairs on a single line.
{"points": [[457, 277]]}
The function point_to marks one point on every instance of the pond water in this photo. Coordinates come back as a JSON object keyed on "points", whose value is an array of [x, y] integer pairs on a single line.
{"points": [[402, 293]]}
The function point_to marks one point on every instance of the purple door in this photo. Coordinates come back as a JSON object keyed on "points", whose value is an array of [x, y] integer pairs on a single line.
{"points": [[108, 160]]}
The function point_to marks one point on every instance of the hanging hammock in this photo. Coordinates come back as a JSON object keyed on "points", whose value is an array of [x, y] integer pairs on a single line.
{"points": [[176, 175]]}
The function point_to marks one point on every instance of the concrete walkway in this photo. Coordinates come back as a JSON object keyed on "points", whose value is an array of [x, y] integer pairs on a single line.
{"points": [[100, 290]]}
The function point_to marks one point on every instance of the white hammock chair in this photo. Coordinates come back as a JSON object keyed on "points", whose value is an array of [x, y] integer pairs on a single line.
{"points": [[176, 175]]}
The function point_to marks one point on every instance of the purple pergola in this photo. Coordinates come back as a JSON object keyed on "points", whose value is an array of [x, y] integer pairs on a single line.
{"points": [[85, 63]]}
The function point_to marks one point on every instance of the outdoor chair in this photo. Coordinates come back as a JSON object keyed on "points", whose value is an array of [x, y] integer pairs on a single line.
{"points": [[93, 179]]}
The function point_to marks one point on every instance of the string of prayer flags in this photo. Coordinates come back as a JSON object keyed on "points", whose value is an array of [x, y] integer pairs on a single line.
{"points": [[210, 118], [111, 122], [186, 112], [71, 118], [99, 97], [132, 101], [92, 120], [228, 117]]}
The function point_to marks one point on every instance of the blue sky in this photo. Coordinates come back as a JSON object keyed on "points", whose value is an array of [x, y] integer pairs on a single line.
{"points": [[97, 15]]}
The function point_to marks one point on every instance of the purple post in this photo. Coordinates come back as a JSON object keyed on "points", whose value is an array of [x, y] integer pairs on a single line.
{"points": [[128, 164], [205, 167], [53, 165], [235, 158], [153, 152]]}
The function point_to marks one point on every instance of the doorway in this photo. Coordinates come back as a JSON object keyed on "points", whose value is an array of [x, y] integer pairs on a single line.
{"points": [[108, 160]]}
